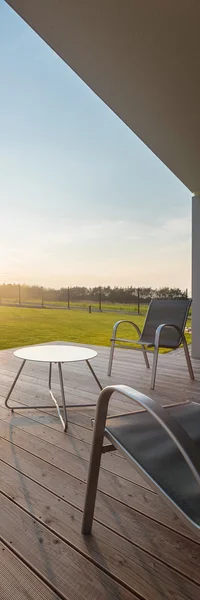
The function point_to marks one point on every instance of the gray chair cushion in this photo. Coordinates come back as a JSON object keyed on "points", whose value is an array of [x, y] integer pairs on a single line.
{"points": [[148, 445]]}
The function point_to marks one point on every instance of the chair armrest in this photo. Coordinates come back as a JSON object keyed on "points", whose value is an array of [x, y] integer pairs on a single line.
{"points": [[175, 431], [161, 327], [113, 338]]}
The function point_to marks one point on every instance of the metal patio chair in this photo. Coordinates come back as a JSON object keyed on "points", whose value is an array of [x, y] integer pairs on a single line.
{"points": [[163, 328], [162, 443]]}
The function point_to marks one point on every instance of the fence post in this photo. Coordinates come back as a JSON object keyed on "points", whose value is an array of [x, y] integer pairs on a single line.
{"points": [[68, 298], [90, 308], [42, 299], [100, 309], [19, 295], [138, 301]]}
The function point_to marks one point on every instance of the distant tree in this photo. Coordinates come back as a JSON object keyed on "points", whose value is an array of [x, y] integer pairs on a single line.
{"points": [[123, 295], [170, 293]]}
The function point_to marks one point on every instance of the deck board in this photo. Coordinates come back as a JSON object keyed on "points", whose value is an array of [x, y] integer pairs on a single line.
{"points": [[139, 548], [135, 528], [52, 552], [18, 581], [67, 570], [111, 488]]}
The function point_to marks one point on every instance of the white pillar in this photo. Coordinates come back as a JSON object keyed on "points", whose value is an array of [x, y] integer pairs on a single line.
{"points": [[196, 275]]}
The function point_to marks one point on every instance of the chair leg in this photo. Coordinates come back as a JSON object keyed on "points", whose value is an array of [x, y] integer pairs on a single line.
{"points": [[146, 360], [154, 367], [93, 475], [50, 375], [188, 360], [111, 357]]}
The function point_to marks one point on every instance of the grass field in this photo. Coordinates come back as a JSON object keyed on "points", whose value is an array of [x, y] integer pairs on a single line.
{"points": [[24, 326]]}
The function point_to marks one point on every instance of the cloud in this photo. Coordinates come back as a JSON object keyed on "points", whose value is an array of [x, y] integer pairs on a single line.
{"points": [[170, 227], [179, 225], [71, 232], [123, 251]]}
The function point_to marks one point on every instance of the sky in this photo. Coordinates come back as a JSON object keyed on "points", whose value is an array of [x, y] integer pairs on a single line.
{"points": [[82, 200]]}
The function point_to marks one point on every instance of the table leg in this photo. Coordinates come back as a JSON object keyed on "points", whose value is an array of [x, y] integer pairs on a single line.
{"points": [[70, 406], [12, 387], [63, 396], [94, 374], [63, 406]]}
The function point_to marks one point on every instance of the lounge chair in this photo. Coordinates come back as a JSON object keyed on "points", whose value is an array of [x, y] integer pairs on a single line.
{"points": [[163, 328], [162, 443]]}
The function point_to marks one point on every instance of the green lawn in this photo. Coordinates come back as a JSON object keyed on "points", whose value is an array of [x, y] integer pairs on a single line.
{"points": [[24, 326]]}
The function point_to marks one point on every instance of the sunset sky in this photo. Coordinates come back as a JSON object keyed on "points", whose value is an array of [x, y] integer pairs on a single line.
{"points": [[83, 201]]}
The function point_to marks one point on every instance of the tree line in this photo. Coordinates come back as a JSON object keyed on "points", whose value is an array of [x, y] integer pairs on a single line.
{"points": [[123, 295]]}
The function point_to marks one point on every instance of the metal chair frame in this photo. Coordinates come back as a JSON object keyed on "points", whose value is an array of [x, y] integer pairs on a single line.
{"points": [[176, 432], [115, 342]]}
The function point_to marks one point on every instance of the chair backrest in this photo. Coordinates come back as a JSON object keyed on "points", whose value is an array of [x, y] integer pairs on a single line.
{"points": [[166, 311], [149, 446]]}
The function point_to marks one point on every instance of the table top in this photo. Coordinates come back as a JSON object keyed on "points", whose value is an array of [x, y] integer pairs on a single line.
{"points": [[53, 353]]}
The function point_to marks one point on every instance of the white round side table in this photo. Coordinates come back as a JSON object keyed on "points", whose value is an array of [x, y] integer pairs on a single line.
{"points": [[52, 353]]}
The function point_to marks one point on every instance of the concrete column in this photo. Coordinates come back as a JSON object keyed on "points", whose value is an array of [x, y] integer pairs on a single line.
{"points": [[196, 275]]}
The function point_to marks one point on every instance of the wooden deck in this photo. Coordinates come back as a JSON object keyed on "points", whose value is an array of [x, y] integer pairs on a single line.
{"points": [[139, 548]]}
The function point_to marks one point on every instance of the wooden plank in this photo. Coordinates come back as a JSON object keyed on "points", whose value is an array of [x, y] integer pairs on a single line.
{"points": [[49, 416], [68, 571], [180, 383], [51, 422], [70, 452], [38, 383], [65, 520], [75, 467], [76, 376], [139, 528], [109, 510], [122, 362], [143, 500], [72, 486], [160, 394], [103, 351], [116, 406], [19, 582], [33, 393], [136, 368], [25, 393]]}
